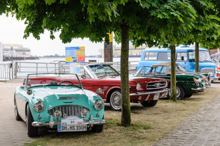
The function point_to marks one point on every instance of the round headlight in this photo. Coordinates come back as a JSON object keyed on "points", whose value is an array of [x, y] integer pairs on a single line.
{"points": [[99, 104], [57, 114], [138, 86], [39, 106], [84, 112]]}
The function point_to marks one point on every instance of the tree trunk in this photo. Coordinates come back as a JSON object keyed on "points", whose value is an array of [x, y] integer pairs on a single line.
{"points": [[108, 50], [173, 73], [197, 57], [125, 92]]}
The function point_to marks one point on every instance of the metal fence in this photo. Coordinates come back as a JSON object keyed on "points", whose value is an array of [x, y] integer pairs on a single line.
{"points": [[6, 72], [21, 69]]}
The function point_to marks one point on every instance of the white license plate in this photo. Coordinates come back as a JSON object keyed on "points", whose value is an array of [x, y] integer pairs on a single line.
{"points": [[72, 128], [156, 96]]}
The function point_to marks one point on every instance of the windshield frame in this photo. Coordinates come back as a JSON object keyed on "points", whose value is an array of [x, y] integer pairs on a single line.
{"points": [[48, 75]]}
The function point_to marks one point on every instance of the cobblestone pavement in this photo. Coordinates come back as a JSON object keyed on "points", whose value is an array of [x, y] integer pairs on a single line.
{"points": [[200, 129]]}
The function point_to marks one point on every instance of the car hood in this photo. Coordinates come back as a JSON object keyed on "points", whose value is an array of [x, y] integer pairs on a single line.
{"points": [[61, 95], [134, 78]]}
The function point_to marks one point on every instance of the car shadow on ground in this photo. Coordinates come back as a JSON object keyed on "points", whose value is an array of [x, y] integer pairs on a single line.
{"points": [[43, 131], [134, 106]]}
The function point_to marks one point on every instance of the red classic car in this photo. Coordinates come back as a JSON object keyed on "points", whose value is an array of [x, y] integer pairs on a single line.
{"points": [[218, 73], [106, 82]]}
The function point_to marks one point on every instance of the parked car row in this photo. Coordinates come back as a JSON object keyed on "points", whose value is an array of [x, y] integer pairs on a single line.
{"points": [[69, 103], [186, 83]]}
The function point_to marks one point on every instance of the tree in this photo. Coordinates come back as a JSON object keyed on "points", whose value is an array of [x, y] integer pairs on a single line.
{"points": [[206, 26]]}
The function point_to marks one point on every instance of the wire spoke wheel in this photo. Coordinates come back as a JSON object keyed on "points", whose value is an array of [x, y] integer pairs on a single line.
{"points": [[116, 100]]}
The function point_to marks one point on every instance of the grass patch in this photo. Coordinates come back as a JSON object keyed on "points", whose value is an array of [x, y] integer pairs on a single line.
{"points": [[148, 124]]}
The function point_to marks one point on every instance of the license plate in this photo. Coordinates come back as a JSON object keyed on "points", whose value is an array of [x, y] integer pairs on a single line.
{"points": [[72, 128], [72, 123], [156, 96]]}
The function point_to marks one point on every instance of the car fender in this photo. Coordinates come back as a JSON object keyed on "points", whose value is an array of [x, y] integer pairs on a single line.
{"points": [[107, 95]]}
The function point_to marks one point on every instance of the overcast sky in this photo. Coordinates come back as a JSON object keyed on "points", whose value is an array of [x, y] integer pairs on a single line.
{"points": [[12, 31]]}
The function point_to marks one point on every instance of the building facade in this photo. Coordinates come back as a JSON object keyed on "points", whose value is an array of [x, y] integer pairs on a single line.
{"points": [[19, 50], [133, 52]]}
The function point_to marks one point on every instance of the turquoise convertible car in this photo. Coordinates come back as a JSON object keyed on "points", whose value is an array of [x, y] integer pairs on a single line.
{"points": [[52, 101]]}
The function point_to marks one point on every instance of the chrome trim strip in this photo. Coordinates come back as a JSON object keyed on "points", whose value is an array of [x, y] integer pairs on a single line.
{"points": [[54, 123], [147, 93]]}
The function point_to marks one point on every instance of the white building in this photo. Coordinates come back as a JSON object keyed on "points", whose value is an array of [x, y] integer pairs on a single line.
{"points": [[19, 50]]}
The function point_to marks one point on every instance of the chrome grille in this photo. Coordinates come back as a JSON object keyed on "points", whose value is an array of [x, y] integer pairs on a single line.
{"points": [[153, 85], [207, 70], [68, 110]]}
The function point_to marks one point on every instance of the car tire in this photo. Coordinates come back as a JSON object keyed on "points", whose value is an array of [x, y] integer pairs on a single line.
{"points": [[17, 116], [188, 95], [32, 131], [97, 128], [151, 103], [180, 92], [115, 100]]}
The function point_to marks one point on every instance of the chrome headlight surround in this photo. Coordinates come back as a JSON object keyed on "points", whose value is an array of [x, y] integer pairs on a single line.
{"points": [[98, 104], [138, 86], [84, 112], [39, 106], [199, 80]]}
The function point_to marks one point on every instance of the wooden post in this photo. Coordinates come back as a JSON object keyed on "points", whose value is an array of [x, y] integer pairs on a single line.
{"points": [[108, 49]]}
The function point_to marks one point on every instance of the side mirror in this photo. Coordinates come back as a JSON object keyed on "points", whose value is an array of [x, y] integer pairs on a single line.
{"points": [[182, 58], [29, 92], [83, 76]]}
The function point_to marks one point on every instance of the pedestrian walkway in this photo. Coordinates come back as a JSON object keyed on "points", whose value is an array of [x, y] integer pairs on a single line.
{"points": [[202, 128], [12, 133]]}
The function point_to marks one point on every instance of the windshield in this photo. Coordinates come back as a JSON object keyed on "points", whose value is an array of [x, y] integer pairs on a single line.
{"points": [[143, 71], [203, 56], [98, 71], [154, 70], [52, 80]]}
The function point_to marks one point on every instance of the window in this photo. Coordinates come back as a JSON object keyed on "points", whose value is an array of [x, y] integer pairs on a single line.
{"points": [[150, 56], [203, 56], [181, 57], [163, 56], [146, 56], [191, 56]]}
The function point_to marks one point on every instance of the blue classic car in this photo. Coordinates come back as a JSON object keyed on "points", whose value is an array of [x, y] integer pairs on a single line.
{"points": [[185, 56], [52, 101]]}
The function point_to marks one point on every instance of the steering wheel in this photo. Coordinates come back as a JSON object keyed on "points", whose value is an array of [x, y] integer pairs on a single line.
{"points": [[66, 81]]}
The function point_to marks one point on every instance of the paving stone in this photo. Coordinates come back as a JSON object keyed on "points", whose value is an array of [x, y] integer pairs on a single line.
{"points": [[200, 129]]}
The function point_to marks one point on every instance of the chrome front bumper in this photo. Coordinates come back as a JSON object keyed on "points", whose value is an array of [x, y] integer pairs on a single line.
{"points": [[52, 123], [147, 93], [214, 78], [198, 89]]}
